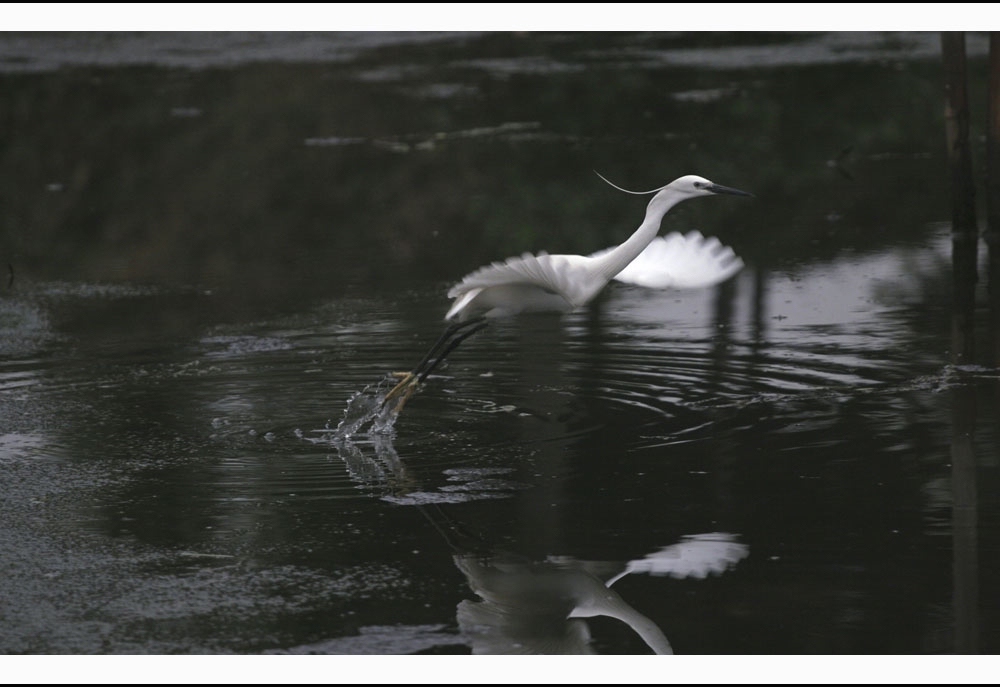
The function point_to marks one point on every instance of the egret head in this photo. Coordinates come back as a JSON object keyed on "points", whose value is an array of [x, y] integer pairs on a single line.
{"points": [[689, 186], [694, 185]]}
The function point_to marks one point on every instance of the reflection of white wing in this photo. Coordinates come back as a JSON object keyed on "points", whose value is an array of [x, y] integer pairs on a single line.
{"points": [[681, 262], [537, 607], [697, 555]]}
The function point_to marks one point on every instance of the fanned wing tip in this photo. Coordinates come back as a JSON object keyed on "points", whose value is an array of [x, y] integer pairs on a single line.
{"points": [[688, 261]]}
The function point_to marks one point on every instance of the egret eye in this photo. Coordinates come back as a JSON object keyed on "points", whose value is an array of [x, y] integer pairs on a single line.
{"points": [[699, 184]]}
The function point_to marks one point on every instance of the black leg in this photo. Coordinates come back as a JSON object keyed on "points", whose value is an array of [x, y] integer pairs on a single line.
{"points": [[453, 335], [458, 338], [450, 331]]}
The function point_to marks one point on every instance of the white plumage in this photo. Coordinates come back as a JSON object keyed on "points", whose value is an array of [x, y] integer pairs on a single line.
{"points": [[681, 261], [558, 283]]}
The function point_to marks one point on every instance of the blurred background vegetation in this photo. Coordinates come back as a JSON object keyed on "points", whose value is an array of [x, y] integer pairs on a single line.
{"points": [[283, 166]]}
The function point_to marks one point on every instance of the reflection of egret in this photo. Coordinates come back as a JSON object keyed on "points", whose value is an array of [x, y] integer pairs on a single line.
{"points": [[385, 471], [697, 555], [530, 606], [537, 606], [552, 283]]}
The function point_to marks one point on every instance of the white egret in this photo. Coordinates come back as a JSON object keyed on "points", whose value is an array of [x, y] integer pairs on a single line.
{"points": [[561, 283]]}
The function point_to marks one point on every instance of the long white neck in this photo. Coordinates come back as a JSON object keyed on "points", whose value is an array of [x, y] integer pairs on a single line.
{"points": [[608, 603], [610, 264]]}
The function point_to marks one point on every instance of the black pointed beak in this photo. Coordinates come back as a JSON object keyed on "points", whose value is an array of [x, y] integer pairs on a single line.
{"points": [[716, 188]]}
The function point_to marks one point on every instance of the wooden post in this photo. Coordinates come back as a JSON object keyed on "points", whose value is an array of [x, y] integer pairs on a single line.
{"points": [[963, 232], [992, 234]]}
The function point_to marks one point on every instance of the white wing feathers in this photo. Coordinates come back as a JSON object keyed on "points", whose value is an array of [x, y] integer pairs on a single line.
{"points": [[553, 273], [681, 262], [563, 282]]}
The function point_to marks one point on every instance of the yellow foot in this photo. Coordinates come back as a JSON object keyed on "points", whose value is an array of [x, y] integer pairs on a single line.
{"points": [[404, 389]]}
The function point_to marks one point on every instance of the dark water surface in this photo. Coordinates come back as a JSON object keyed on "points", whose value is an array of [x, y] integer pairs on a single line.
{"points": [[217, 240]]}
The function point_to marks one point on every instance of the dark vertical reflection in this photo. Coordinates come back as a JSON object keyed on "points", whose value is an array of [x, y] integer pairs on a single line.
{"points": [[965, 555], [725, 460], [538, 377], [759, 315], [992, 234], [963, 460]]}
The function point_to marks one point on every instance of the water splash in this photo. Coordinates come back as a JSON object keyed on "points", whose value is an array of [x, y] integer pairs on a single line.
{"points": [[366, 406]]}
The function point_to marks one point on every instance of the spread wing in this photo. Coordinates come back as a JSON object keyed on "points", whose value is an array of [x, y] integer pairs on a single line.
{"points": [[695, 556], [681, 262], [516, 282]]}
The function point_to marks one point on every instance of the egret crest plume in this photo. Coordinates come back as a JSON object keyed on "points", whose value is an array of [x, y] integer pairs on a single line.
{"points": [[625, 190]]}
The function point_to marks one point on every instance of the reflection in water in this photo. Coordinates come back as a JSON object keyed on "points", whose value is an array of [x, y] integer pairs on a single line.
{"points": [[536, 607], [965, 517], [385, 470], [530, 606], [386, 476], [696, 556]]}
